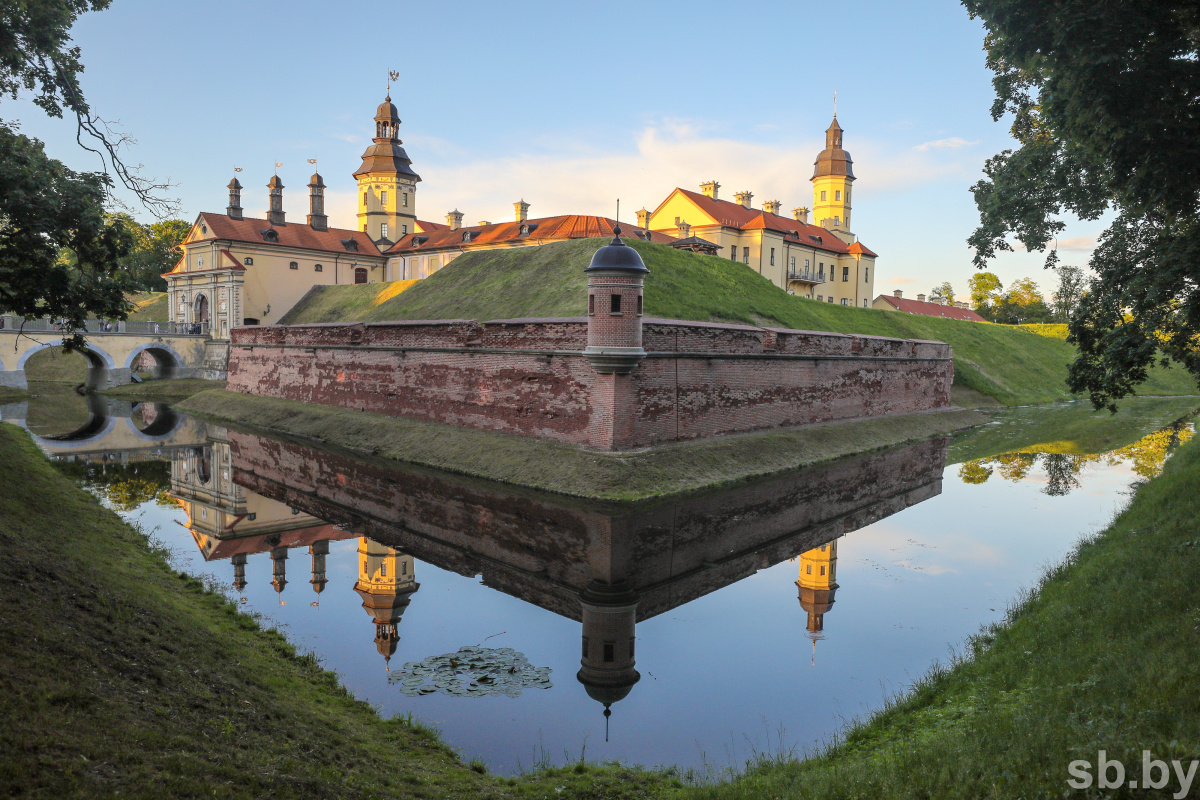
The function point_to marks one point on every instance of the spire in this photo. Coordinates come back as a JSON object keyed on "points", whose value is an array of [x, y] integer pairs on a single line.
{"points": [[275, 191], [234, 209], [833, 160], [319, 549], [279, 556], [316, 201]]}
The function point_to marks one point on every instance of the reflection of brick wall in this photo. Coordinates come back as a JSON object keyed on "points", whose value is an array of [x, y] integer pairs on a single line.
{"points": [[546, 550], [527, 377]]}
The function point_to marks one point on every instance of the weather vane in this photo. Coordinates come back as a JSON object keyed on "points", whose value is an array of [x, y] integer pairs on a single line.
{"points": [[313, 161], [278, 164], [393, 75], [237, 169], [835, 103]]}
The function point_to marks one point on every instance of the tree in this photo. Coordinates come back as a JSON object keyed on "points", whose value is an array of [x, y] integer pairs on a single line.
{"points": [[942, 293], [156, 249], [985, 290], [1102, 97], [46, 208], [1071, 286]]}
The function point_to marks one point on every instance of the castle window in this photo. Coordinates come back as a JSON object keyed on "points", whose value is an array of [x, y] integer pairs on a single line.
{"points": [[383, 569], [293, 265], [822, 570], [591, 304], [364, 198], [792, 263], [383, 230], [318, 268], [822, 195], [745, 255], [199, 262], [820, 298], [404, 199], [830, 298], [383, 198], [615, 304], [733, 252], [609, 654], [631, 648], [810, 569], [866, 274], [837, 220], [250, 516], [845, 301], [772, 256], [845, 274], [585, 642], [837, 195], [403, 230], [248, 261], [639, 305]]}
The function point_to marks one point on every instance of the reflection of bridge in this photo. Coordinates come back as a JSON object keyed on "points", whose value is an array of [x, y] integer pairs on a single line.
{"points": [[113, 355], [117, 430]]}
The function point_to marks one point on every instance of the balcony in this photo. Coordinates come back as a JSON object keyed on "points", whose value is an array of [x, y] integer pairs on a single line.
{"points": [[809, 277]]}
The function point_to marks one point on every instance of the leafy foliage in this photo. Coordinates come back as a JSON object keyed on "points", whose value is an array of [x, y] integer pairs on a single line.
{"points": [[156, 249], [942, 293], [1102, 98]]}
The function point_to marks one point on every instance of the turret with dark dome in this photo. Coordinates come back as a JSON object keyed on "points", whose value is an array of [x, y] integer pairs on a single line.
{"points": [[833, 160], [386, 155]]}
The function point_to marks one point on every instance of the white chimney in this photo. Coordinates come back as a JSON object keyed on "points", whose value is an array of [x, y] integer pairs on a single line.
{"points": [[710, 189], [921, 298], [522, 209], [454, 219], [898, 293], [800, 214], [743, 198], [772, 207], [644, 219]]}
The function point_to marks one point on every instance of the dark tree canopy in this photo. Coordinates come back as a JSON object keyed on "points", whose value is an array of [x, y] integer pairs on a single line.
{"points": [[1105, 103]]}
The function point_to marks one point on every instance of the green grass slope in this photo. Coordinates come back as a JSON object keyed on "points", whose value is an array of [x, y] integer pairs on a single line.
{"points": [[149, 307], [1011, 365]]}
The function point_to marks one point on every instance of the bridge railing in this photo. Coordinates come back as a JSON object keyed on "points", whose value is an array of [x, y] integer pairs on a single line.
{"points": [[139, 327]]}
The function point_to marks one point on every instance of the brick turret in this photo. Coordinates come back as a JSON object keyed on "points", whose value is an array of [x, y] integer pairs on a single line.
{"points": [[606, 668], [615, 279]]}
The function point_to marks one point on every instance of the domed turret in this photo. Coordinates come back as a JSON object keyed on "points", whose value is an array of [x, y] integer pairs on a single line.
{"points": [[817, 586], [607, 664], [387, 204], [615, 284], [386, 584], [833, 176]]}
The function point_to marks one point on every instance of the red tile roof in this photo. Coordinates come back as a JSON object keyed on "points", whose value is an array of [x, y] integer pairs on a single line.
{"points": [[858, 248], [566, 226], [930, 309], [433, 226], [294, 234], [735, 215]]}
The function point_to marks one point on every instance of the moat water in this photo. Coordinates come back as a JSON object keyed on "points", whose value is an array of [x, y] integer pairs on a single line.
{"points": [[765, 617]]}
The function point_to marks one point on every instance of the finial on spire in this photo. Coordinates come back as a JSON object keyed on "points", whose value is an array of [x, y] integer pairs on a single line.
{"points": [[313, 161], [835, 103], [393, 75], [278, 164], [237, 169], [607, 714]]}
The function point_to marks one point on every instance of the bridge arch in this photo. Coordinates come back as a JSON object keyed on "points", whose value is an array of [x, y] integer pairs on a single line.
{"points": [[99, 361], [163, 422], [167, 360]]}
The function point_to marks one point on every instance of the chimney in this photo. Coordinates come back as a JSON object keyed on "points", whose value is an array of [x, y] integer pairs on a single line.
{"points": [[772, 207], [710, 189], [454, 219], [316, 204], [234, 209], [275, 215], [800, 214], [522, 209], [921, 298], [827, 223], [898, 293], [483, 222], [644, 219], [743, 198], [685, 230]]}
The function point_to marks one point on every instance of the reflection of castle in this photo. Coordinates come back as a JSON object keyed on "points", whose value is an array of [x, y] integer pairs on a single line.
{"points": [[609, 568], [385, 583], [817, 584]]}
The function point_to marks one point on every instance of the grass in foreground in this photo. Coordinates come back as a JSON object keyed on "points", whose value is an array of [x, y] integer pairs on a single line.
{"points": [[1103, 655], [565, 469], [54, 365], [1014, 366], [122, 677]]}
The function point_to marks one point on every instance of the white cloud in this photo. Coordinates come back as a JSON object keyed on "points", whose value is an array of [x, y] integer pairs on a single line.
{"points": [[1078, 243], [953, 143], [562, 175]]}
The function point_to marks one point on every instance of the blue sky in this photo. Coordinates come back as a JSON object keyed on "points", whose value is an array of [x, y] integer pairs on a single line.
{"points": [[566, 105]]}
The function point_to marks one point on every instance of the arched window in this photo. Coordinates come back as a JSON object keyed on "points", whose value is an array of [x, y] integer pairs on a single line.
{"points": [[293, 265], [318, 268]]}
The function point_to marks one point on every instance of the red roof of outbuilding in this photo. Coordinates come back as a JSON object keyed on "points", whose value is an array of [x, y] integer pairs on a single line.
{"points": [[735, 215], [433, 226], [566, 226], [931, 309]]}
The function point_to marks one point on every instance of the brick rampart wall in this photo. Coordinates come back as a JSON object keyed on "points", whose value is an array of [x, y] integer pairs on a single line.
{"points": [[527, 376]]}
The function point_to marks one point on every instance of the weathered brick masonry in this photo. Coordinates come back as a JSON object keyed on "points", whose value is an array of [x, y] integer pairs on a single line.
{"points": [[529, 376]]}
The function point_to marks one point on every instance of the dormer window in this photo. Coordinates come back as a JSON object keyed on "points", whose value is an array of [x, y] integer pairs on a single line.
{"points": [[466, 237], [524, 230], [270, 235], [203, 228], [350, 244]]}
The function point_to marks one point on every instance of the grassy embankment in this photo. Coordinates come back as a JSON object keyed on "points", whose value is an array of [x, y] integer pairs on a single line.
{"points": [[170, 391], [1014, 366], [149, 307], [565, 469], [1103, 655], [121, 677]]}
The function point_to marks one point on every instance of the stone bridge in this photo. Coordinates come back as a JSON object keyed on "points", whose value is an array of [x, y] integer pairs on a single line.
{"points": [[115, 351]]}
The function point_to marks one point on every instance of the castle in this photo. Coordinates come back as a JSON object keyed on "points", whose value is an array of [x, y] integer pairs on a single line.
{"points": [[238, 271]]}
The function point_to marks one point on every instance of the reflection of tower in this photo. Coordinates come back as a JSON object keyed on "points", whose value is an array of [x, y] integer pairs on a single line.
{"points": [[319, 549], [607, 666], [279, 569], [239, 572], [818, 583], [385, 584]]}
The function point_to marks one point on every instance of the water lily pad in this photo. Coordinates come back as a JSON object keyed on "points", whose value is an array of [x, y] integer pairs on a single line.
{"points": [[472, 671]]}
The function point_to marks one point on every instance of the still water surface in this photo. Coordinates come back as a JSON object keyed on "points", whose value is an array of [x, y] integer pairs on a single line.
{"points": [[709, 627]]}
